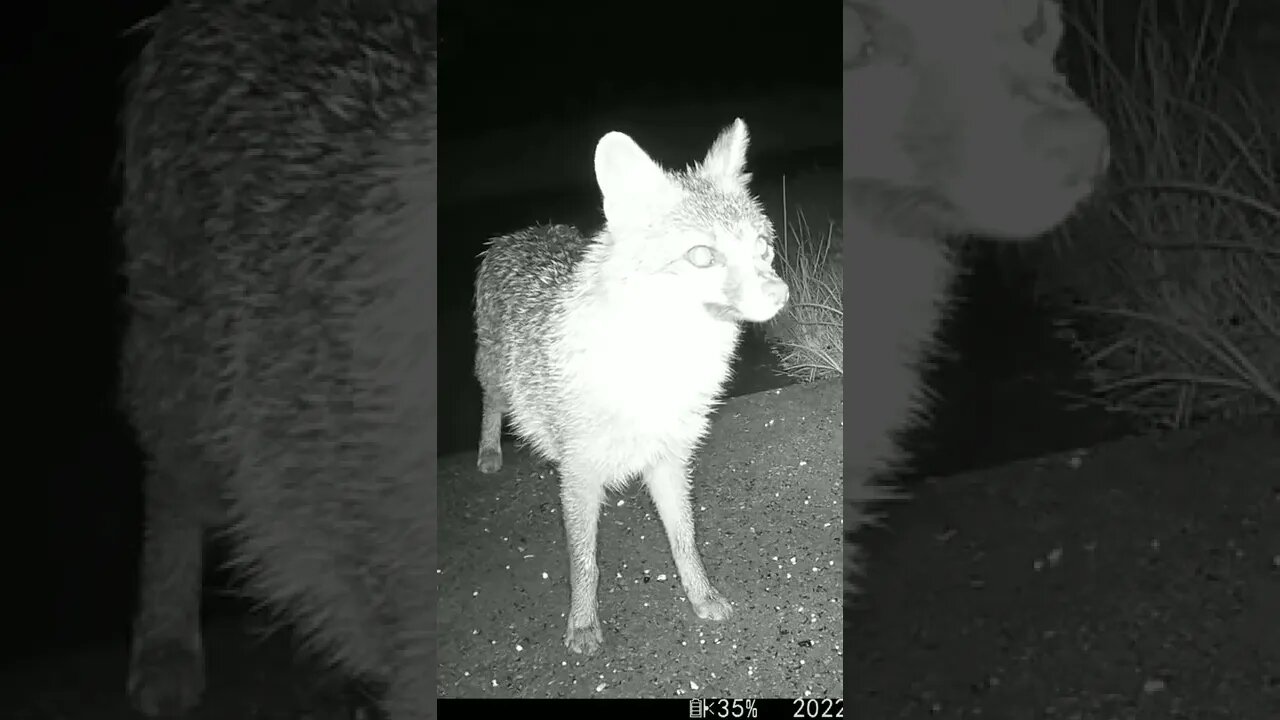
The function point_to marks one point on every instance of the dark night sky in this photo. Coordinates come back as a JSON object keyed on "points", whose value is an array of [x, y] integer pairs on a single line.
{"points": [[506, 58]]}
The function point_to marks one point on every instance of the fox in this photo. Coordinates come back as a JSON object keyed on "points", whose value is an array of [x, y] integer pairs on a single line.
{"points": [[608, 352], [957, 125], [278, 170]]}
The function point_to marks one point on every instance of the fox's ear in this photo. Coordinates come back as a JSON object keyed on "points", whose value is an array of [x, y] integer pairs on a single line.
{"points": [[728, 156], [631, 183]]}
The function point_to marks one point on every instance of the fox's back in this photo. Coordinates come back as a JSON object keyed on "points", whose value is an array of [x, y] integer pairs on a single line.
{"points": [[521, 283], [521, 289]]}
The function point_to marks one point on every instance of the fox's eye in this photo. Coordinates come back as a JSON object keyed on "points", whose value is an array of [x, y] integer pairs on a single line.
{"points": [[869, 37], [860, 54], [860, 46], [1044, 30], [1033, 31], [1037, 29], [701, 256]]}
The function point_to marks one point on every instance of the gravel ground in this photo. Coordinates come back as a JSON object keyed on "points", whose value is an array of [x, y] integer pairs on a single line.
{"points": [[767, 502], [1139, 579]]}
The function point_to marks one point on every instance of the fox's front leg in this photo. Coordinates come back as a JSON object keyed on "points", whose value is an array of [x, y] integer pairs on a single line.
{"points": [[668, 483], [581, 496], [166, 665]]}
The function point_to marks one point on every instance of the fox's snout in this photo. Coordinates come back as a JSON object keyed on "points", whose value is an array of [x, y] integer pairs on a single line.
{"points": [[776, 291], [767, 301]]}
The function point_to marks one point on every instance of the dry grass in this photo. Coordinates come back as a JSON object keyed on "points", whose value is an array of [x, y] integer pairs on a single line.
{"points": [[808, 335], [1173, 276]]}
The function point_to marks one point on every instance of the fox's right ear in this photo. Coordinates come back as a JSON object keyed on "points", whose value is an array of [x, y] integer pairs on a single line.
{"points": [[728, 156], [631, 183]]}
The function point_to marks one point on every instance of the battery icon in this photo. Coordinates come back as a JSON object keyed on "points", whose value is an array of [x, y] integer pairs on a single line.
{"points": [[697, 708]]}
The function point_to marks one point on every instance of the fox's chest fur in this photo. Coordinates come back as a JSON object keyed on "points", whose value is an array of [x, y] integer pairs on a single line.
{"points": [[639, 380]]}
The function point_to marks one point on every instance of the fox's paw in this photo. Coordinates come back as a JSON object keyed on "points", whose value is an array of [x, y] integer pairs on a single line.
{"points": [[166, 679], [584, 640], [712, 606], [490, 460]]}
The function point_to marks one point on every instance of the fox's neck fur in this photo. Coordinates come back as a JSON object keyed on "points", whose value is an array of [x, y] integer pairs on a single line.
{"points": [[635, 349]]}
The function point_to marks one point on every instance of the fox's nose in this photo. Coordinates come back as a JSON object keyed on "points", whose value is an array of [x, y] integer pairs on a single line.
{"points": [[1077, 142], [777, 291]]}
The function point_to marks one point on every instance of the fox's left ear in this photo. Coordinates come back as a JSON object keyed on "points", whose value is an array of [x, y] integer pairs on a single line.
{"points": [[631, 184], [728, 156]]}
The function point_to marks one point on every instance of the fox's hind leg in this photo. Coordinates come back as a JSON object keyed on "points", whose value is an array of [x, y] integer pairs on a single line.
{"points": [[581, 496], [495, 405], [166, 665], [668, 484]]}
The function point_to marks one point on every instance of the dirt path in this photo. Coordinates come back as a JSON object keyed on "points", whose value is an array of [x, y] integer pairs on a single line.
{"points": [[767, 500], [1140, 579]]}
